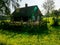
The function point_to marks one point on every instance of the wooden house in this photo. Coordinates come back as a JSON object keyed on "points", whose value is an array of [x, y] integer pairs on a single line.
{"points": [[27, 13]]}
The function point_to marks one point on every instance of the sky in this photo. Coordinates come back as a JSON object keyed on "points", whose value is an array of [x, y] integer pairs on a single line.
{"points": [[39, 3]]}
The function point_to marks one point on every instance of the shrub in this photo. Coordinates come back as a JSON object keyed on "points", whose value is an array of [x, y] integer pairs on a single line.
{"points": [[30, 28], [55, 22]]}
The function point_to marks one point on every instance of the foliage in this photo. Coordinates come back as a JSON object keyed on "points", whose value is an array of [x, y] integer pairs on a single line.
{"points": [[55, 22], [56, 13], [5, 5], [4, 17], [30, 28], [49, 20], [30, 34], [11, 38], [52, 21]]}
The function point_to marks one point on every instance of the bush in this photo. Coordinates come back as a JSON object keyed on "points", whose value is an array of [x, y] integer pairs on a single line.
{"points": [[52, 21], [55, 22], [30, 28]]}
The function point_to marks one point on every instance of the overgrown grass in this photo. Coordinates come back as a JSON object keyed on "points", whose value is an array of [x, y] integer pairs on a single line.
{"points": [[52, 37], [11, 38]]}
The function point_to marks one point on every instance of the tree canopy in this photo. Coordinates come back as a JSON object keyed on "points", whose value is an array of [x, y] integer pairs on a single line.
{"points": [[55, 13], [48, 5], [5, 5]]}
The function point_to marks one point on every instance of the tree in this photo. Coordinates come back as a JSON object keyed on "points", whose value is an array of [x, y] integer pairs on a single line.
{"points": [[59, 11], [5, 5], [48, 6], [56, 13]]}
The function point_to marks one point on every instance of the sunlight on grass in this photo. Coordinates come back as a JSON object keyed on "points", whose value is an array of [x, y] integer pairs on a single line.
{"points": [[26, 39]]}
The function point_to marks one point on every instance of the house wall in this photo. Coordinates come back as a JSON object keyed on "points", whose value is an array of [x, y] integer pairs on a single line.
{"points": [[33, 16]]}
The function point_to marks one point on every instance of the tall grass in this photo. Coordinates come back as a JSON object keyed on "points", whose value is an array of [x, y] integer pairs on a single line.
{"points": [[18, 37], [12, 38]]}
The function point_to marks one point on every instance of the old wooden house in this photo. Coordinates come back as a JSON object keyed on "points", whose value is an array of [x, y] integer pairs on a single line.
{"points": [[27, 13]]}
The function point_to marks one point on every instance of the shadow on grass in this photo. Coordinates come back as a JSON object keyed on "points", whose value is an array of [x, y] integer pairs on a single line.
{"points": [[2, 43], [30, 29]]}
